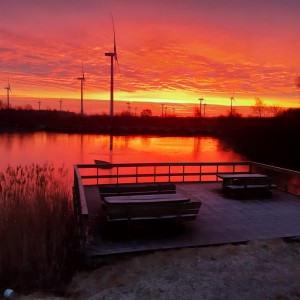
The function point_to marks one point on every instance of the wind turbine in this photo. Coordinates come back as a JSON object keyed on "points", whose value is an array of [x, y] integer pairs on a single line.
{"points": [[201, 100], [82, 80], [231, 101], [8, 90], [113, 56]]}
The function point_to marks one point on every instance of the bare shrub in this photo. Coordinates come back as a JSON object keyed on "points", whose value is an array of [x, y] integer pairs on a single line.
{"points": [[36, 227]]}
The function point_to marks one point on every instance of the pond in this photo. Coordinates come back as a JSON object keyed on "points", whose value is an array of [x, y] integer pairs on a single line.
{"points": [[69, 149]]}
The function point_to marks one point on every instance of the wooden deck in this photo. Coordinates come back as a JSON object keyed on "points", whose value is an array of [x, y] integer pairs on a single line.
{"points": [[220, 220]]}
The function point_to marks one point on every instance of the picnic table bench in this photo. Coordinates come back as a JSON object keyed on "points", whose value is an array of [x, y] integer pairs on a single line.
{"points": [[136, 189], [150, 207], [236, 184]]}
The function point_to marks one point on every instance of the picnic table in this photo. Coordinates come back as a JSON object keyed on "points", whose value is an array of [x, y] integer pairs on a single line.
{"points": [[150, 207], [246, 184]]}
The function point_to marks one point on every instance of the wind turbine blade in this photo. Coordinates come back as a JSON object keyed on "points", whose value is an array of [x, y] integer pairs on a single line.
{"points": [[115, 44], [116, 59], [82, 70]]}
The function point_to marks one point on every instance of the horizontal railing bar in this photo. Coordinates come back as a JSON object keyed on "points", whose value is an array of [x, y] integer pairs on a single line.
{"points": [[133, 165], [152, 175]]}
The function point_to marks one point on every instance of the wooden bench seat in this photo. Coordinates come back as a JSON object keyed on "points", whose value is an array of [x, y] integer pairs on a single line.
{"points": [[251, 186], [136, 189], [249, 190], [186, 211]]}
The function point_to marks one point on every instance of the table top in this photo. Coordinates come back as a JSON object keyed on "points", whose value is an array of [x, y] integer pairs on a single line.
{"points": [[237, 175], [156, 198]]}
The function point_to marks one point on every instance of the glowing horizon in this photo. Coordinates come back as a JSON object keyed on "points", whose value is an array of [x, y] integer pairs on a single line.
{"points": [[170, 52]]}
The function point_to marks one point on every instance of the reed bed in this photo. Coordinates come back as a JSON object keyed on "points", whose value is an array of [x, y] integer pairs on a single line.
{"points": [[37, 228]]}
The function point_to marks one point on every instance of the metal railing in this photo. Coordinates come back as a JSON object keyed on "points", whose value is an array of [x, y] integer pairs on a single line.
{"points": [[97, 174]]}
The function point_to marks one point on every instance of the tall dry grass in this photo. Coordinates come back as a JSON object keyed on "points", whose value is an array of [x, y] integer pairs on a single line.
{"points": [[37, 240]]}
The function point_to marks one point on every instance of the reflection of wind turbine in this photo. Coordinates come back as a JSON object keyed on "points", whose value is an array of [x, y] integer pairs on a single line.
{"points": [[82, 80], [231, 101], [113, 56], [8, 90]]}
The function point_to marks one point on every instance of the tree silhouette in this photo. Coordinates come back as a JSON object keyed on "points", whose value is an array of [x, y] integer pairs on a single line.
{"points": [[146, 113], [259, 108]]}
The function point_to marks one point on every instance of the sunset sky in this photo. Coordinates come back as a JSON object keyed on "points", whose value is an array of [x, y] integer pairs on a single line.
{"points": [[168, 50]]}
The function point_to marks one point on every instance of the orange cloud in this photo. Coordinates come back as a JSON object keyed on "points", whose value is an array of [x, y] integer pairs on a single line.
{"points": [[166, 52]]}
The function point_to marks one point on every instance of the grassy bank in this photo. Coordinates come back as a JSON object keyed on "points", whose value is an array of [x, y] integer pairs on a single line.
{"points": [[36, 228]]}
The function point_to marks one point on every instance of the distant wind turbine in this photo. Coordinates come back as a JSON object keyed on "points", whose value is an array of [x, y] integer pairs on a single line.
{"points": [[231, 101], [82, 80], [201, 100], [8, 90], [113, 56]]}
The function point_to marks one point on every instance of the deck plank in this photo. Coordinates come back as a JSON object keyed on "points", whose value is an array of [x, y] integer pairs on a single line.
{"points": [[220, 220]]}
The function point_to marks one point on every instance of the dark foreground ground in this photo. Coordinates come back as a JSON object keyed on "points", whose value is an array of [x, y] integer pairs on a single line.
{"points": [[261, 270]]}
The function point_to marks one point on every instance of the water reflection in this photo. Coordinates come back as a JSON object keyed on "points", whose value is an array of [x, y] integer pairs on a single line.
{"points": [[70, 149]]}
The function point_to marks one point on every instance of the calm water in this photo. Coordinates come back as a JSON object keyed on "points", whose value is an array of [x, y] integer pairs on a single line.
{"points": [[69, 149]]}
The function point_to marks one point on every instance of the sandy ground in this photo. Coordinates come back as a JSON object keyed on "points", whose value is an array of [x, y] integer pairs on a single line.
{"points": [[257, 270]]}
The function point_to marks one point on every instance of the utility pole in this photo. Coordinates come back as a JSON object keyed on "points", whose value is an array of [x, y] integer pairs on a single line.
{"points": [[162, 109], [128, 108]]}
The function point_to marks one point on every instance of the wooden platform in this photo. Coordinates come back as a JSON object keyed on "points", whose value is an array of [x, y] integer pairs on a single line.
{"points": [[220, 220]]}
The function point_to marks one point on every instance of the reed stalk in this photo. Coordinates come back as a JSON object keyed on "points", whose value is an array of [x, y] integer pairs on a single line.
{"points": [[37, 228]]}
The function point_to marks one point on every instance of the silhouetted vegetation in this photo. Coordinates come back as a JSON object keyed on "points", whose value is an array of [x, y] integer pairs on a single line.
{"points": [[35, 120], [37, 228], [267, 140]]}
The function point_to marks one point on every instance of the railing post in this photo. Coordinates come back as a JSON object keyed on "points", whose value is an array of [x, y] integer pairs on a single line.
{"points": [[200, 176], [97, 176], [117, 175]]}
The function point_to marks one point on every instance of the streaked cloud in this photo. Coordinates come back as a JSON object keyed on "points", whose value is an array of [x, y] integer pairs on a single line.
{"points": [[164, 47]]}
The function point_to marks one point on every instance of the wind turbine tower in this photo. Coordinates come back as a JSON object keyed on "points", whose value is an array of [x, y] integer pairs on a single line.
{"points": [[201, 100], [231, 101], [113, 56], [82, 80], [8, 90]]}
